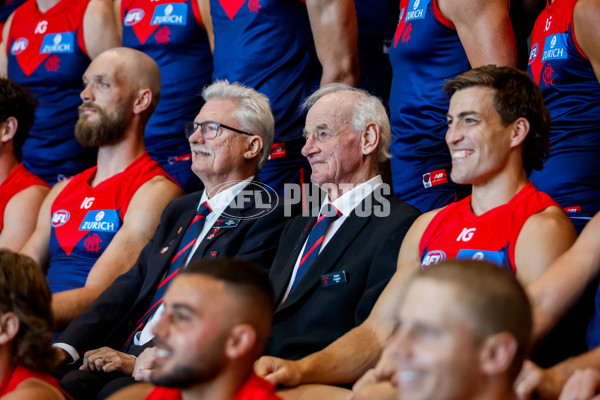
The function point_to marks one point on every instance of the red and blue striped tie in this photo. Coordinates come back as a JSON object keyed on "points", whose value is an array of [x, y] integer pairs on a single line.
{"points": [[187, 243], [315, 239]]}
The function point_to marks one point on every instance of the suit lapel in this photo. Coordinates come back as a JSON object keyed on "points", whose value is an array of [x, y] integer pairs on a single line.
{"points": [[327, 260], [281, 276], [231, 213], [169, 248]]}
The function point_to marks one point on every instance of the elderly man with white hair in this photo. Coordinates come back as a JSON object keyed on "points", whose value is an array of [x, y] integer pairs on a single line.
{"points": [[331, 266], [235, 215]]}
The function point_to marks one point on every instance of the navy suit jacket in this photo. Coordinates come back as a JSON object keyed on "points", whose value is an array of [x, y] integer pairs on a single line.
{"points": [[112, 316], [365, 248]]}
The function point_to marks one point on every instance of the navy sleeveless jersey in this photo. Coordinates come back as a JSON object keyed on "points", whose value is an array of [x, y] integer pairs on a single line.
{"points": [[426, 51], [173, 34], [6, 9], [268, 45], [46, 53], [572, 94], [376, 25]]}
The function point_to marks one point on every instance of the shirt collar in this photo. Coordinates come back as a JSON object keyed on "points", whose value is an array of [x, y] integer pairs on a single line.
{"points": [[221, 200], [347, 202]]}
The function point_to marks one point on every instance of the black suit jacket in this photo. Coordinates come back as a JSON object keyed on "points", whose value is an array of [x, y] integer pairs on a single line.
{"points": [[112, 317], [365, 248]]}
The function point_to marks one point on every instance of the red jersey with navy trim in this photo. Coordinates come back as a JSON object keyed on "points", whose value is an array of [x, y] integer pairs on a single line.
{"points": [[572, 94], [46, 53], [19, 179], [456, 233], [426, 51], [19, 374], [85, 219], [255, 388], [173, 34]]}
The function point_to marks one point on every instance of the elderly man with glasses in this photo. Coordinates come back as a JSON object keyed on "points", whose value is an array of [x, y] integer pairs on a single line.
{"points": [[235, 215]]}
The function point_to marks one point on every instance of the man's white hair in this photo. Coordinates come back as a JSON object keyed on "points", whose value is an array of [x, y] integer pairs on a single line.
{"points": [[367, 108], [253, 112]]}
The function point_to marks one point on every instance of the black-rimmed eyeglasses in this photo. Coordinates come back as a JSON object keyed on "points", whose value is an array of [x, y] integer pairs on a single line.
{"points": [[209, 129]]}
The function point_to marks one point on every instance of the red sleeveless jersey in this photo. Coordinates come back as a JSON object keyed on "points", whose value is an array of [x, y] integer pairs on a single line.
{"points": [[19, 179], [455, 232]]}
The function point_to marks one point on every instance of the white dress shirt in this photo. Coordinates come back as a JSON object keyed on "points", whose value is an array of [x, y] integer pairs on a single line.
{"points": [[345, 204]]}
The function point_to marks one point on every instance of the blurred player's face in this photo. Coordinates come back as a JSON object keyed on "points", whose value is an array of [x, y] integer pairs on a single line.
{"points": [[478, 140], [106, 107], [332, 147], [434, 348], [192, 332], [217, 160]]}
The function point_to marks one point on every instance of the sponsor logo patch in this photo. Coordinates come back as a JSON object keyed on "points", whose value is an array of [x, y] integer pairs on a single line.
{"points": [[100, 221], [497, 257], [58, 43], [416, 9], [170, 14], [555, 47], [434, 178]]}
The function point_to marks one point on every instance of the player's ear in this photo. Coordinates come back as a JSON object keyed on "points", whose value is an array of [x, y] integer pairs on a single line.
{"points": [[520, 130], [8, 129], [9, 326], [142, 100], [497, 353], [240, 342]]}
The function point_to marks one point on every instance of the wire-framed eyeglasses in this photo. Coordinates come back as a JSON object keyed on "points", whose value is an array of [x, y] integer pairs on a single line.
{"points": [[209, 129]]}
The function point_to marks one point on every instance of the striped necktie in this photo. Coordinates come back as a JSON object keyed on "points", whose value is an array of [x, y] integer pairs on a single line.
{"points": [[315, 239], [187, 243]]}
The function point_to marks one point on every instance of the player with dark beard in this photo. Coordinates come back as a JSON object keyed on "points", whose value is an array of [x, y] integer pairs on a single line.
{"points": [[217, 318], [92, 227]]}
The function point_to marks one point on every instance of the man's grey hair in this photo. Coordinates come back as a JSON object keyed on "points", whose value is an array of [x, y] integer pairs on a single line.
{"points": [[253, 112], [367, 108]]}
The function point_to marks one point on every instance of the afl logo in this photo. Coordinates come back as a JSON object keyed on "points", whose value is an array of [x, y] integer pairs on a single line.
{"points": [[19, 46], [133, 17], [433, 257], [533, 53], [401, 15], [59, 218]]}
